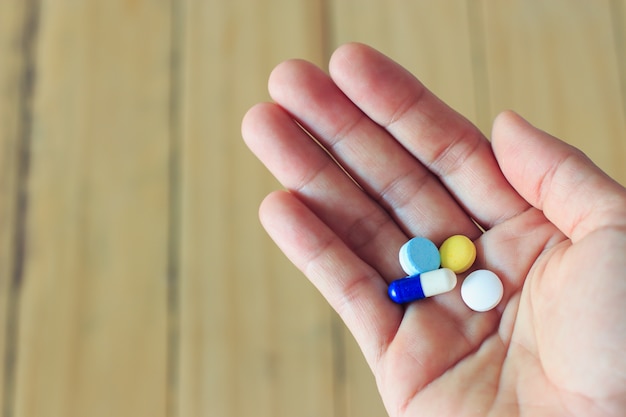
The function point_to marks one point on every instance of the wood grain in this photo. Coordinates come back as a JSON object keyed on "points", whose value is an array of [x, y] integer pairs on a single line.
{"points": [[92, 313], [255, 336], [618, 15], [15, 94]]}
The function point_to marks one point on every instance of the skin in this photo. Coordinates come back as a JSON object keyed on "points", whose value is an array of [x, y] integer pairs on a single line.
{"points": [[552, 226]]}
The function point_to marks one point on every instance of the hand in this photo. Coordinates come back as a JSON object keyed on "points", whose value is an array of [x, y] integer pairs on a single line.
{"points": [[404, 164]]}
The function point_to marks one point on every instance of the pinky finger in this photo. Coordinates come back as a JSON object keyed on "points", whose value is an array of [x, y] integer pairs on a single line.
{"points": [[352, 287]]}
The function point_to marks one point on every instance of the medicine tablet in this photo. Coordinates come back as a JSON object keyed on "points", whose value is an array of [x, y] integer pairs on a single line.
{"points": [[482, 290], [419, 255], [457, 253], [420, 286]]}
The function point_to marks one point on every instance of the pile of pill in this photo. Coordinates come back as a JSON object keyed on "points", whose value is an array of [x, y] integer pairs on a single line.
{"points": [[432, 271]]}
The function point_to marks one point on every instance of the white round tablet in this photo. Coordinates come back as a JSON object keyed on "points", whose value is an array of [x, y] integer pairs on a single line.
{"points": [[482, 290]]}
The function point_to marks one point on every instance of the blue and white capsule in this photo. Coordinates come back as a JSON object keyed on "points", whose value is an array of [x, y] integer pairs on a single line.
{"points": [[427, 284]]}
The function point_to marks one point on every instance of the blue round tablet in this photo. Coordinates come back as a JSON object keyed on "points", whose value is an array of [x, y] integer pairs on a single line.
{"points": [[419, 255]]}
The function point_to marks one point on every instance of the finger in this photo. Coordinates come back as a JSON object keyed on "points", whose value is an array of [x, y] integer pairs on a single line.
{"points": [[445, 142], [305, 169], [387, 172], [557, 178], [351, 287]]}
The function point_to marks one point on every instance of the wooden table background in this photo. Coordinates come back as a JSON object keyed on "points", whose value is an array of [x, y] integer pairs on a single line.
{"points": [[135, 279]]}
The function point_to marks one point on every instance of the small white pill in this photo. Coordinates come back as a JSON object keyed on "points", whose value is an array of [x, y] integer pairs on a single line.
{"points": [[482, 290]]}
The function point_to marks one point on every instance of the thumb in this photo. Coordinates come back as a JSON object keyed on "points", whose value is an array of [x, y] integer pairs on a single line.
{"points": [[574, 194]]}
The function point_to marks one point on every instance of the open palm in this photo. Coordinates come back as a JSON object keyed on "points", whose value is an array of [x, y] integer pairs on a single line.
{"points": [[396, 162]]}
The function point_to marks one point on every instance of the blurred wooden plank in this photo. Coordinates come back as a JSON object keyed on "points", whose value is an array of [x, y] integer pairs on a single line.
{"points": [[556, 64], [618, 13], [255, 335], [14, 106], [92, 335], [433, 40]]}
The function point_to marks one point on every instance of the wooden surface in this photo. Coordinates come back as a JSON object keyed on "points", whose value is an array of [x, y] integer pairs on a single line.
{"points": [[135, 279]]}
